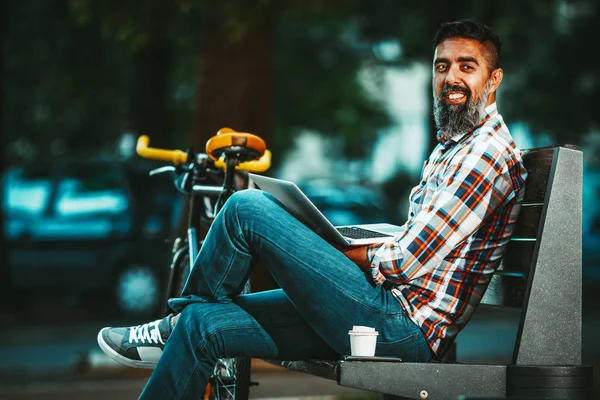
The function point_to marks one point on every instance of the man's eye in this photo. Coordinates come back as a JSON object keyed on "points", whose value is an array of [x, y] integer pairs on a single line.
{"points": [[468, 67], [440, 68]]}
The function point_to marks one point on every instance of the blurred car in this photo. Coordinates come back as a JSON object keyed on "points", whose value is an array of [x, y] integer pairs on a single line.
{"points": [[346, 203], [90, 227]]}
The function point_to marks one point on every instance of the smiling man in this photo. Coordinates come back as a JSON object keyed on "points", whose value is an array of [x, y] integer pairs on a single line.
{"points": [[462, 214], [465, 76], [418, 290]]}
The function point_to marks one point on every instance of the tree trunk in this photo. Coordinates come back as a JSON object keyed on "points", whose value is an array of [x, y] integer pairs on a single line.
{"points": [[5, 287], [149, 112], [234, 85], [235, 90]]}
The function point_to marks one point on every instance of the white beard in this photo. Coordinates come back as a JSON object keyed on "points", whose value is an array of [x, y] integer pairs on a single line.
{"points": [[454, 120]]}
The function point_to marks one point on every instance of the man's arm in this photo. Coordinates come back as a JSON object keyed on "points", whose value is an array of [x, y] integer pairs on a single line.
{"points": [[472, 187], [357, 254]]}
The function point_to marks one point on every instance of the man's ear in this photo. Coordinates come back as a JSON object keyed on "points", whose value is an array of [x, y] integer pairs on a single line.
{"points": [[495, 79]]}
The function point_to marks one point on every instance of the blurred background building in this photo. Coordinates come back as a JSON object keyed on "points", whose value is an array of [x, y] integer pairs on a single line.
{"points": [[340, 90]]}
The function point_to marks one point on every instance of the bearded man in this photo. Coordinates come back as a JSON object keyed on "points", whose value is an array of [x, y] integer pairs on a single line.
{"points": [[418, 290]]}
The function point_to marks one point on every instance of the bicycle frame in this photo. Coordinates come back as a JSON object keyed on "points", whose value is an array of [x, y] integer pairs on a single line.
{"points": [[199, 207], [228, 150], [201, 192]]}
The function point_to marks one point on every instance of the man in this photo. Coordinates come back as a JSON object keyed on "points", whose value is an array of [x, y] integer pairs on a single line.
{"points": [[417, 291]]}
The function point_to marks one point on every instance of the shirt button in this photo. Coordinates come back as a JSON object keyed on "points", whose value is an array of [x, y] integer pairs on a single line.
{"points": [[412, 214], [423, 183]]}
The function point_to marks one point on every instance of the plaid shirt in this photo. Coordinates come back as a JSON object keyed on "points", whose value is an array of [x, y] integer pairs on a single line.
{"points": [[462, 215]]}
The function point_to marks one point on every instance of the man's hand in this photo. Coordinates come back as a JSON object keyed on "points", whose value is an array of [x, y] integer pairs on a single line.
{"points": [[357, 254]]}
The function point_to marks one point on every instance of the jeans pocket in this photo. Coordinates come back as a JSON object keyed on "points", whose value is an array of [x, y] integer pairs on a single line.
{"points": [[405, 348]]}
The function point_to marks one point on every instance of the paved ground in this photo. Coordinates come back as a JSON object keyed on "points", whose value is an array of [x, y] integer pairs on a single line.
{"points": [[273, 385], [62, 361]]}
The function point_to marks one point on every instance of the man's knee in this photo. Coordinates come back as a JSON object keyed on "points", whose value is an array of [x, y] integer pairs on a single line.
{"points": [[246, 196], [248, 200], [200, 319]]}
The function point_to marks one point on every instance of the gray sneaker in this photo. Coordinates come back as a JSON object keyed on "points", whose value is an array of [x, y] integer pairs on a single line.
{"points": [[136, 346]]}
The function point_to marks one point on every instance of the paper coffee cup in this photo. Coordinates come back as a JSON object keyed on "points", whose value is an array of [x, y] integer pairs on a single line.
{"points": [[363, 340]]}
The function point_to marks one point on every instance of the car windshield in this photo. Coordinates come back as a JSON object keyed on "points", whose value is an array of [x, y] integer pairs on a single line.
{"points": [[346, 203], [25, 193], [90, 191]]}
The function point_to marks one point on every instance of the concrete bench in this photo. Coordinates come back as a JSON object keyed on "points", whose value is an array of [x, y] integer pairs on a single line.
{"points": [[541, 275]]}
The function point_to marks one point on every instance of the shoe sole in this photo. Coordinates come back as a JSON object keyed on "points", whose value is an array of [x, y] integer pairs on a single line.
{"points": [[122, 359]]}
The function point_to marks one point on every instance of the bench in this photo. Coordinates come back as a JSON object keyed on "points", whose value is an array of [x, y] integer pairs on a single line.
{"points": [[540, 276]]}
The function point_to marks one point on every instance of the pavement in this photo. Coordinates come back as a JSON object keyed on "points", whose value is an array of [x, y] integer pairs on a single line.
{"points": [[272, 385], [39, 360]]}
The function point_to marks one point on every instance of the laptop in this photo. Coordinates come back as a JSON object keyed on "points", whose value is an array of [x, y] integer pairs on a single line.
{"points": [[297, 204]]}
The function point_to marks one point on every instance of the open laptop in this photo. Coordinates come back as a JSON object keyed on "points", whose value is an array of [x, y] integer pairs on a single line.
{"points": [[297, 204]]}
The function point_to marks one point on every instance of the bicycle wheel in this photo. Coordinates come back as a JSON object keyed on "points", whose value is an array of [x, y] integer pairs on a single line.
{"points": [[182, 273], [230, 380], [178, 273]]}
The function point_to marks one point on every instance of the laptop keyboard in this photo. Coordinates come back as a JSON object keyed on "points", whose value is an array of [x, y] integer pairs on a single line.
{"points": [[354, 232]]}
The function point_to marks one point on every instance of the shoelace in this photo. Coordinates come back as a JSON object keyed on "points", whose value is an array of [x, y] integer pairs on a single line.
{"points": [[146, 332]]}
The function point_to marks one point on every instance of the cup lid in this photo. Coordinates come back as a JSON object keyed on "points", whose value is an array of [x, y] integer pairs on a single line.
{"points": [[371, 333], [360, 328]]}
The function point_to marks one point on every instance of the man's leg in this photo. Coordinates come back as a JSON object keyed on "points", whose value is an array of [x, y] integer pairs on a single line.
{"points": [[262, 325], [329, 291]]}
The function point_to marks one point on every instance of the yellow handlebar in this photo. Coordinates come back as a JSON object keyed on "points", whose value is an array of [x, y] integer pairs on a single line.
{"points": [[177, 157], [256, 166]]}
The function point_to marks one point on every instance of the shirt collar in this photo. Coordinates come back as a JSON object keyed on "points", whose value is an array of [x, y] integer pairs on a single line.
{"points": [[447, 141]]}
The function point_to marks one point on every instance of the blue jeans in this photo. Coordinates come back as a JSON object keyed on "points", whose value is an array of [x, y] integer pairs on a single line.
{"points": [[323, 294]]}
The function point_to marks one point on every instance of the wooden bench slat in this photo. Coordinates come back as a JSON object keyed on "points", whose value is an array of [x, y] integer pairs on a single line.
{"points": [[508, 285], [538, 163], [518, 257], [528, 222], [507, 291]]}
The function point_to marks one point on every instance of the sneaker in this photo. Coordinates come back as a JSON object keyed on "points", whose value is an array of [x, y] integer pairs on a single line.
{"points": [[136, 346]]}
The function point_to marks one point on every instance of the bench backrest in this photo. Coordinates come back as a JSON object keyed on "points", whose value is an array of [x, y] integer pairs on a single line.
{"points": [[541, 270]]}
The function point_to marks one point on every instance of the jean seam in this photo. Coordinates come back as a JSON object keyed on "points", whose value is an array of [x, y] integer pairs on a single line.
{"points": [[288, 325], [195, 374], [278, 325], [324, 277], [228, 268], [404, 339], [402, 313]]}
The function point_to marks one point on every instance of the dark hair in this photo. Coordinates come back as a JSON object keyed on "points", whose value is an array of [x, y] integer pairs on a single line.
{"points": [[472, 30]]}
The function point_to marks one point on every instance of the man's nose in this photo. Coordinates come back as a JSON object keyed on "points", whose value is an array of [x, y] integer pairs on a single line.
{"points": [[453, 76]]}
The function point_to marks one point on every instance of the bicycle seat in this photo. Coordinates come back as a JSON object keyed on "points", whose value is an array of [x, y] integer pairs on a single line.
{"points": [[242, 145]]}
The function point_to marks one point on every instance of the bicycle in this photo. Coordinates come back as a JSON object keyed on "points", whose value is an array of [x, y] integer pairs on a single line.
{"points": [[204, 177]]}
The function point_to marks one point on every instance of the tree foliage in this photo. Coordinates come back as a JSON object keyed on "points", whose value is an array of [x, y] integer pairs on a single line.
{"points": [[64, 86], [551, 80], [315, 66], [74, 75], [318, 86]]}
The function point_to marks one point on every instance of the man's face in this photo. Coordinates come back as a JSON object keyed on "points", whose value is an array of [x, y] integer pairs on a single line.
{"points": [[463, 84]]}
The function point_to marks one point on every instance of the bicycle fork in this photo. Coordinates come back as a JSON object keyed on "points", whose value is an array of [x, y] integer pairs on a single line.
{"points": [[181, 248]]}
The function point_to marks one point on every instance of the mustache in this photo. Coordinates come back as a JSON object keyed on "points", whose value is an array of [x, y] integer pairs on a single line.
{"points": [[455, 88]]}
